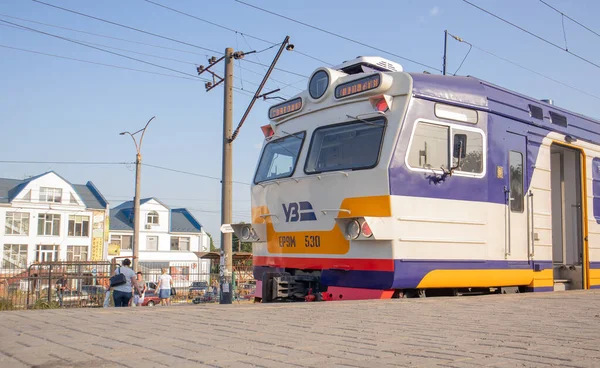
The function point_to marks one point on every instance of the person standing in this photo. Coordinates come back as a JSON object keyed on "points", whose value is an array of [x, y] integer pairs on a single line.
{"points": [[165, 283], [122, 293], [61, 286], [138, 296]]}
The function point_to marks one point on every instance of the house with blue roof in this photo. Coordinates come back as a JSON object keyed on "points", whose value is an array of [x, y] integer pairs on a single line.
{"points": [[169, 238], [47, 218]]}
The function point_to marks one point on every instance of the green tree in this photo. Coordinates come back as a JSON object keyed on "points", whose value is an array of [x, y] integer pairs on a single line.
{"points": [[212, 244], [240, 246]]}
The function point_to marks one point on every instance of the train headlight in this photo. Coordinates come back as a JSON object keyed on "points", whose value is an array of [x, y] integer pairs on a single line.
{"points": [[366, 230], [318, 84], [246, 233], [353, 230]]}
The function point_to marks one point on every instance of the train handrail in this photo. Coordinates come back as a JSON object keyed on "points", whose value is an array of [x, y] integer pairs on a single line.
{"points": [[532, 234]]}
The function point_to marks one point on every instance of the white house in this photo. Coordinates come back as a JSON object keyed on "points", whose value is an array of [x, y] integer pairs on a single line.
{"points": [[46, 218], [169, 238]]}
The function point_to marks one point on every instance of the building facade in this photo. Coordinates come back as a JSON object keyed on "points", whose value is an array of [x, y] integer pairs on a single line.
{"points": [[169, 238], [46, 218]]}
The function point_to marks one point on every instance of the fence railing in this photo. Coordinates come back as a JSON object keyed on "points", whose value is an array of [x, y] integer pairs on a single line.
{"points": [[84, 284]]}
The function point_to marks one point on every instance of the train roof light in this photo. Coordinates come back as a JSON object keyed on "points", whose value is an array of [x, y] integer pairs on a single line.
{"points": [[267, 130], [382, 103]]}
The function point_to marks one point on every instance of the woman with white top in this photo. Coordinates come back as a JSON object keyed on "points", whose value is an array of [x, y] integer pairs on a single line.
{"points": [[165, 283]]}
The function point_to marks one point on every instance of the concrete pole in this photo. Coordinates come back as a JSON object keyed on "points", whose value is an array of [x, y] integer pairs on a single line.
{"points": [[226, 181], [136, 211]]}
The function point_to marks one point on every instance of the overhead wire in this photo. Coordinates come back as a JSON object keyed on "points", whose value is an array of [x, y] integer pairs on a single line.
{"points": [[531, 33], [568, 17], [191, 173], [102, 35], [125, 26], [459, 39], [231, 29], [116, 66], [101, 49], [339, 35]]}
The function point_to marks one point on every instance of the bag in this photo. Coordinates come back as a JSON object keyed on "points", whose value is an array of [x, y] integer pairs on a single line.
{"points": [[173, 292], [118, 279]]}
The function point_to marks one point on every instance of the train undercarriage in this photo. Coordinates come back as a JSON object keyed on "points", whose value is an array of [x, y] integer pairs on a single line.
{"points": [[301, 286]]}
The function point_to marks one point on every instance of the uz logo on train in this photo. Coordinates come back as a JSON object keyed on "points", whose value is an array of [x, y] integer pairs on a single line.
{"points": [[295, 212]]}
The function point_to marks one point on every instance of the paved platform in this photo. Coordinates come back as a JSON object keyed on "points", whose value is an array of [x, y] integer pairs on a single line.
{"points": [[519, 330]]}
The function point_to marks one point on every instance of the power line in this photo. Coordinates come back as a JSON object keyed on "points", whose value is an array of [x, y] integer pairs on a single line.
{"points": [[279, 69], [124, 26], [336, 35], [525, 68], [101, 49], [114, 66], [97, 63], [566, 16], [67, 162], [103, 36], [191, 173], [229, 29], [530, 33]]}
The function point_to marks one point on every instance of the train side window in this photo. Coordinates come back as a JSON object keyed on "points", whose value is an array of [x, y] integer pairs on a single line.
{"points": [[472, 155], [433, 145], [515, 161], [429, 148]]}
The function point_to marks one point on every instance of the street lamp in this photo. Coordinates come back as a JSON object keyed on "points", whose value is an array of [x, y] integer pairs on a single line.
{"points": [[136, 201]]}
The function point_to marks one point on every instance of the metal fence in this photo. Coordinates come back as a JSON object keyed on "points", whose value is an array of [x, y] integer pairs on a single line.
{"points": [[84, 284]]}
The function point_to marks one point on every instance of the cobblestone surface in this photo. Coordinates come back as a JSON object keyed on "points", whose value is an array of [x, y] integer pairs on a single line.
{"points": [[520, 330]]}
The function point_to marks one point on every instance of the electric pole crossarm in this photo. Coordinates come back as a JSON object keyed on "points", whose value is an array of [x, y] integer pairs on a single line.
{"points": [[260, 87]]}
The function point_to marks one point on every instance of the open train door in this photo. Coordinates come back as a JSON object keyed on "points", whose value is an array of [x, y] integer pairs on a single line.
{"points": [[569, 248]]}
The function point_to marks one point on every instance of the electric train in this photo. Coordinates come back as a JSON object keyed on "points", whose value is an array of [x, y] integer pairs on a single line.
{"points": [[378, 183]]}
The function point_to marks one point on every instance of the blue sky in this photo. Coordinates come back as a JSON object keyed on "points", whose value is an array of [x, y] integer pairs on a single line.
{"points": [[63, 110]]}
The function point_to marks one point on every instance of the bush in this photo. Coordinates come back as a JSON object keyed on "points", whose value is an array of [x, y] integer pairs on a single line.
{"points": [[6, 304], [43, 304]]}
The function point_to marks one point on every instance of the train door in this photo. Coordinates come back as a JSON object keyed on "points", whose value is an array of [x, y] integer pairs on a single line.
{"points": [[515, 190], [567, 218]]}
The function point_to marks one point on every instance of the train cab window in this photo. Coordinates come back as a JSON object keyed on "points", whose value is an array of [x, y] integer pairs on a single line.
{"points": [[348, 146], [515, 161], [279, 158], [434, 145]]}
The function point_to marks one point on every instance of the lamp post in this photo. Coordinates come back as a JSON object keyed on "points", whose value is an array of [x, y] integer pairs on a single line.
{"points": [[136, 201]]}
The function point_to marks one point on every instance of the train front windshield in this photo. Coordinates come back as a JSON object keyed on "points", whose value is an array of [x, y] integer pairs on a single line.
{"points": [[346, 146], [279, 158]]}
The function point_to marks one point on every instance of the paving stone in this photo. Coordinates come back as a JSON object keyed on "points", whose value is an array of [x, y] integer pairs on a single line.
{"points": [[527, 330]]}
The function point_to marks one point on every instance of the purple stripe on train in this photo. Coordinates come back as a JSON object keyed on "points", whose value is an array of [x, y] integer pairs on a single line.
{"points": [[408, 274]]}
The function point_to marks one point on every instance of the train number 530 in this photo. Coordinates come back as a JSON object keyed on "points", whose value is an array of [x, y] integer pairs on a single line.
{"points": [[312, 241]]}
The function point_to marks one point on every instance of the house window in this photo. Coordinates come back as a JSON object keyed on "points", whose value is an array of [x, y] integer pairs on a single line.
{"points": [[152, 218], [46, 253], [48, 224], [77, 253], [152, 243], [14, 256], [73, 200], [17, 223], [50, 195], [180, 243], [124, 241], [79, 225], [435, 146]]}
